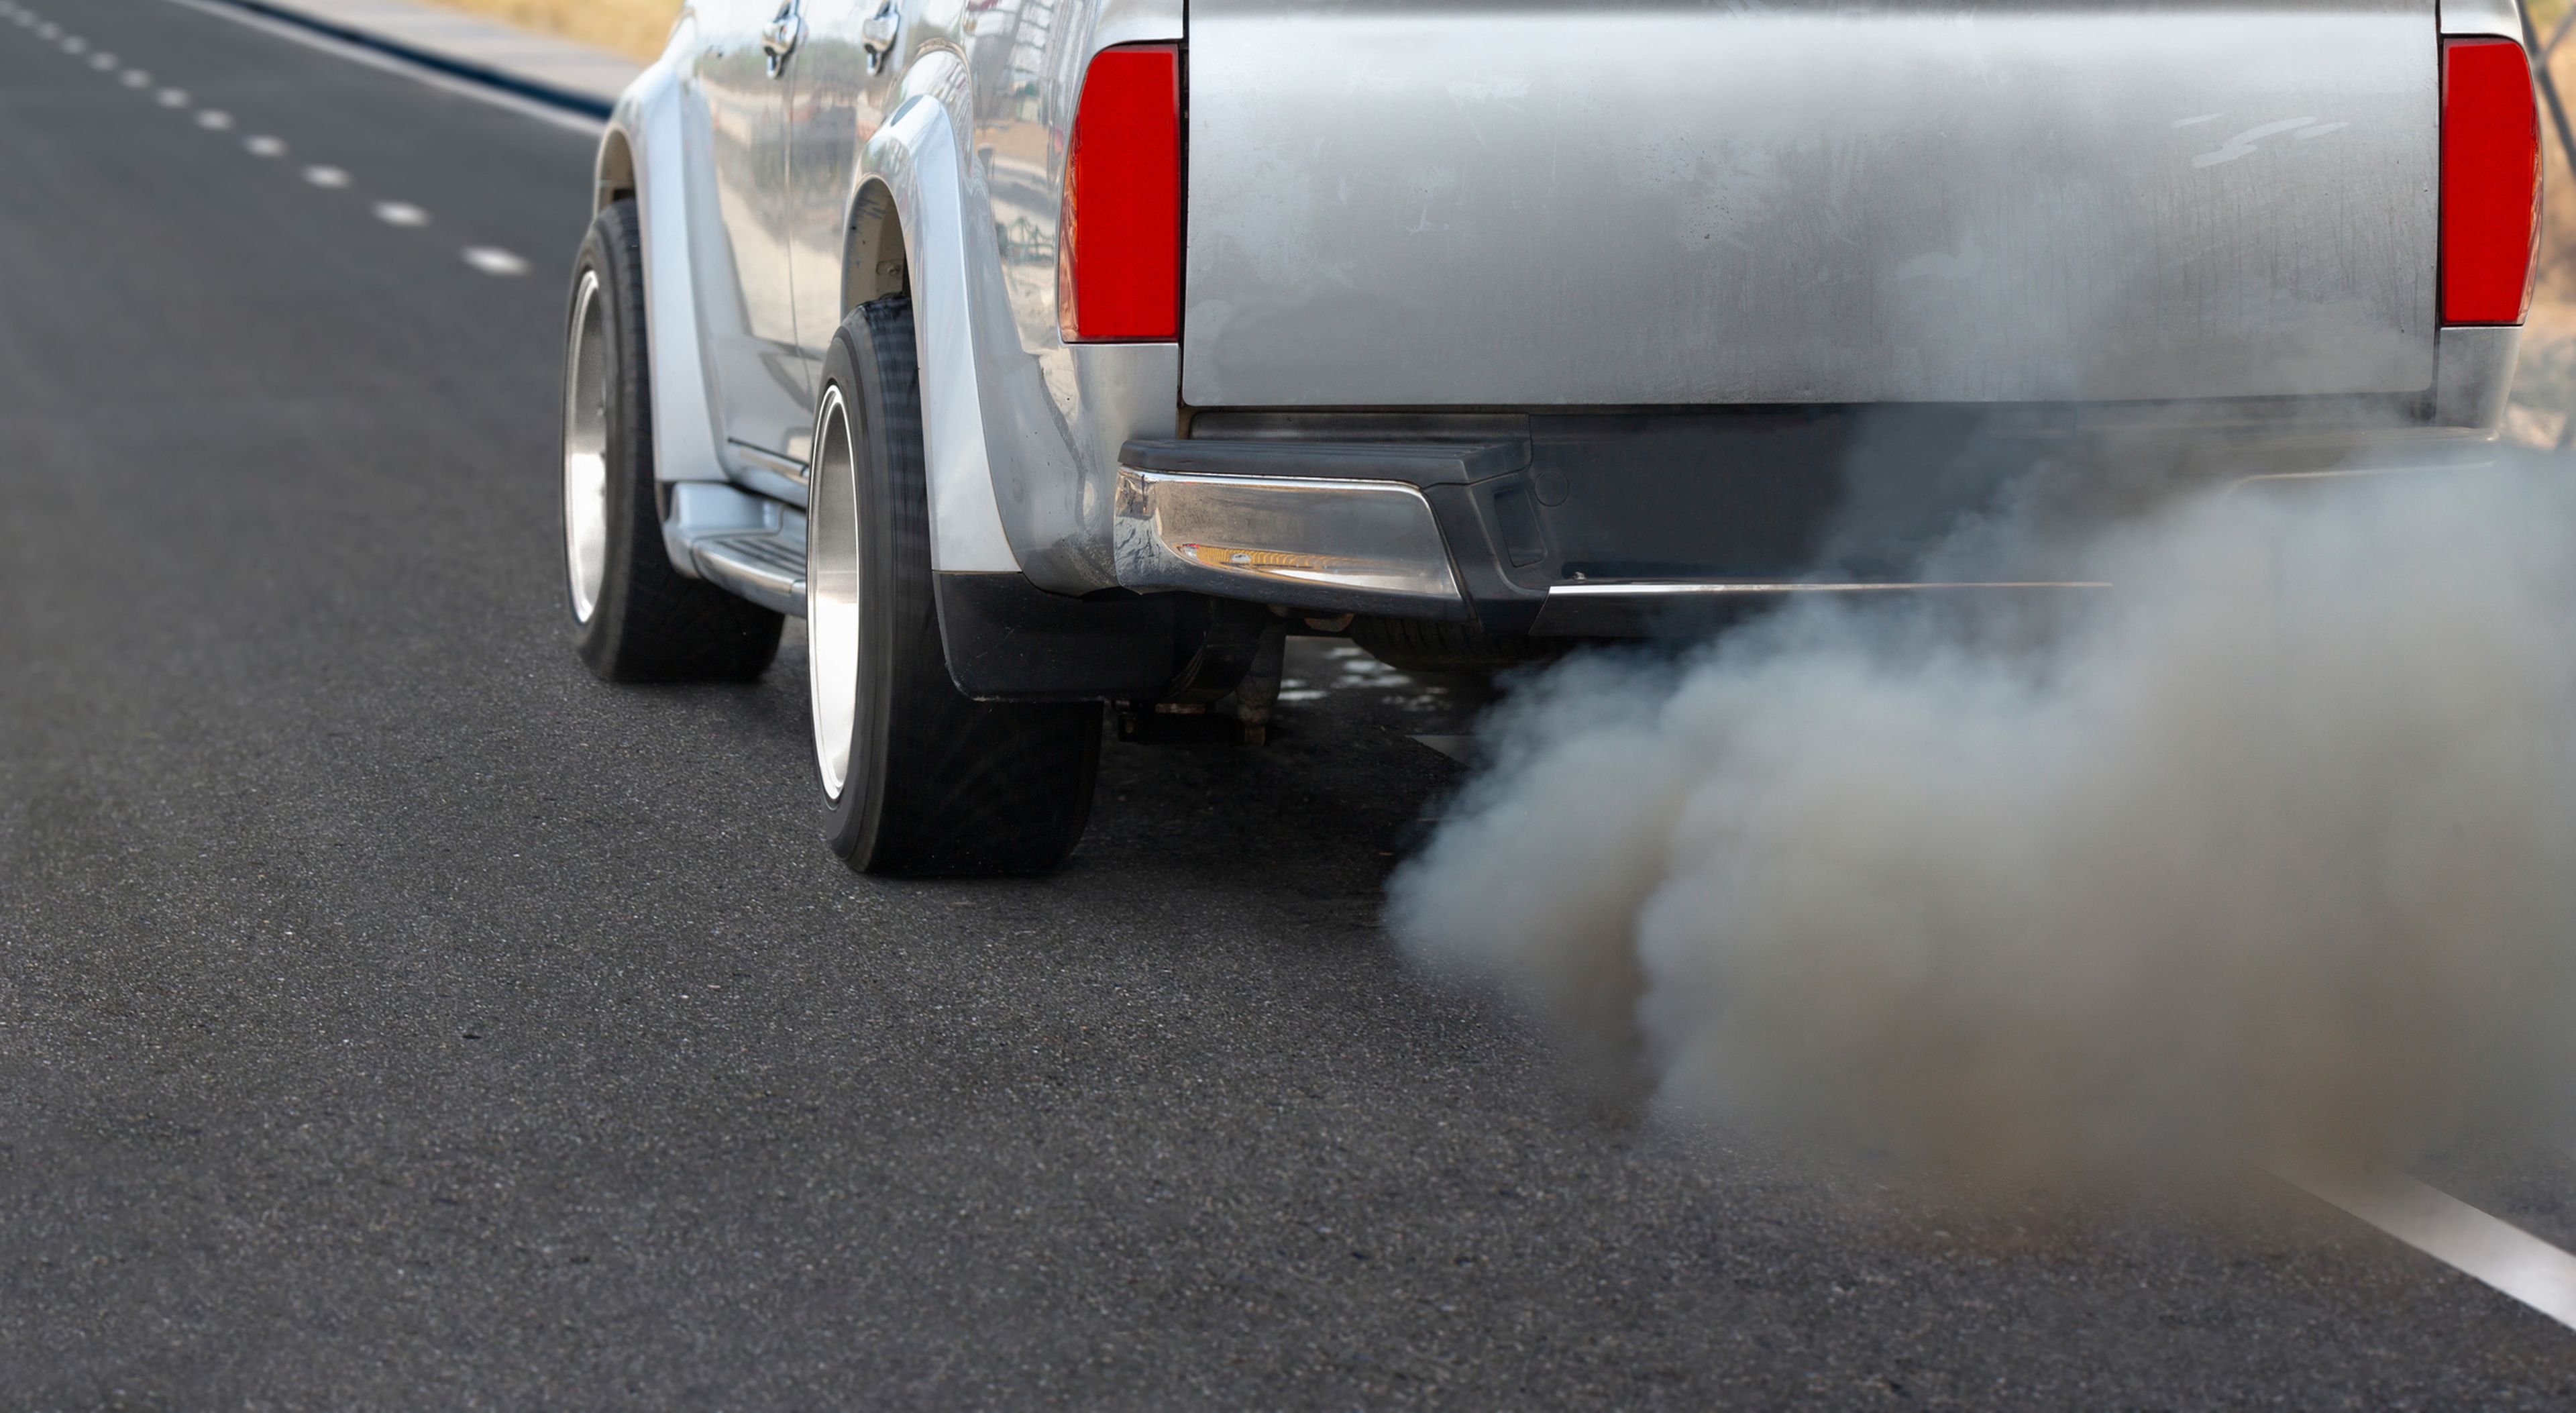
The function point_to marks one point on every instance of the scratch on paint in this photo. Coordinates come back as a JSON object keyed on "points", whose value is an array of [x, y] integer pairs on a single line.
{"points": [[2242, 145]]}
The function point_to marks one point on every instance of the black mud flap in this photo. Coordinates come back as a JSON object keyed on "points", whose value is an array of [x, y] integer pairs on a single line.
{"points": [[1009, 640]]}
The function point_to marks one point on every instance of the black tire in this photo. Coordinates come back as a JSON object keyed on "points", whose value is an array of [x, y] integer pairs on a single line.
{"points": [[936, 783], [647, 621]]}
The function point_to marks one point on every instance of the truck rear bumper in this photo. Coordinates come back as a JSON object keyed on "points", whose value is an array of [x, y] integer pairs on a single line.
{"points": [[1640, 524]]}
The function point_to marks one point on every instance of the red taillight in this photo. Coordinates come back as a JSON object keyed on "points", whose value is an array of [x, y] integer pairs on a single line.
{"points": [[2490, 182], [1118, 260]]}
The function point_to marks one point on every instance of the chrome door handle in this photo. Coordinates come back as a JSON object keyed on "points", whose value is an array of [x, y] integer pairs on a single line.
{"points": [[782, 36], [877, 36]]}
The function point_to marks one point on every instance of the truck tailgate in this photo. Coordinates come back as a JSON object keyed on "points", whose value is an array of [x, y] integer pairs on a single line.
{"points": [[1441, 203]]}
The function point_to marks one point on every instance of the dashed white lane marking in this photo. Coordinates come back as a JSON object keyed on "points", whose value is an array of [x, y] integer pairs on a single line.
{"points": [[2458, 1235], [49, 31], [492, 260], [74, 44]]}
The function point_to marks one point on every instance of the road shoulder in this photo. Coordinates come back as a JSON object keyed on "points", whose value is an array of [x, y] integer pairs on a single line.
{"points": [[538, 66]]}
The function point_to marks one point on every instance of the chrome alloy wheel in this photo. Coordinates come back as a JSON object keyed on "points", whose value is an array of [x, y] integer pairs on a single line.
{"points": [[832, 592], [585, 448]]}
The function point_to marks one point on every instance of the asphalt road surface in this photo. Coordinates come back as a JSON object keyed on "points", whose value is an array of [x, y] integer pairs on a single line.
{"points": [[392, 1015]]}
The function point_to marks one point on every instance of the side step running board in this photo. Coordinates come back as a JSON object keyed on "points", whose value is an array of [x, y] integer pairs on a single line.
{"points": [[740, 542], [766, 567]]}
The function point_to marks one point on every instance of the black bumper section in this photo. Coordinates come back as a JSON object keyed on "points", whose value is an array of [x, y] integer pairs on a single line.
{"points": [[1730, 494], [1527, 503]]}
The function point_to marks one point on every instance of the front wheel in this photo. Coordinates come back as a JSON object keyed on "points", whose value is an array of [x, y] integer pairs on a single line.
{"points": [[919, 777], [636, 617]]}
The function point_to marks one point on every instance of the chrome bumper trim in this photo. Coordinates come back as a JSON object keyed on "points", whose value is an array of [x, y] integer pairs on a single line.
{"points": [[1662, 588], [1631, 608], [1340, 546]]}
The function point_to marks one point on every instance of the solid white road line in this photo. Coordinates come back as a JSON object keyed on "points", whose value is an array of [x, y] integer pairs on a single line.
{"points": [[492, 260], [265, 146], [2458, 1235], [214, 119], [401, 213], [326, 176], [375, 59]]}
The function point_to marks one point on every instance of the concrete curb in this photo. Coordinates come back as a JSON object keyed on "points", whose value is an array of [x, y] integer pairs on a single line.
{"points": [[554, 72]]}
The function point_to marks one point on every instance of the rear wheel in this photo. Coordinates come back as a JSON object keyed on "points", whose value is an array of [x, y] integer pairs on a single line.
{"points": [[638, 619], [919, 778]]}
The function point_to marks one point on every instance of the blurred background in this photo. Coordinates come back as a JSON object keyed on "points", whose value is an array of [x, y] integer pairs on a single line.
{"points": [[634, 28], [2546, 390]]}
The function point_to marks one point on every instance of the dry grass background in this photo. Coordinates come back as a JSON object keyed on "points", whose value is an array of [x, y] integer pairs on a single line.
{"points": [[635, 28], [2544, 393]]}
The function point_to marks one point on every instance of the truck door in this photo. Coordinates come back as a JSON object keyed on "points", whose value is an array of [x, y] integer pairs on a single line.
{"points": [[744, 310], [838, 87]]}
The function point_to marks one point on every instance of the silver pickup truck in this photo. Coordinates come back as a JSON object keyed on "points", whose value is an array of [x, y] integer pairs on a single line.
{"points": [[1047, 354]]}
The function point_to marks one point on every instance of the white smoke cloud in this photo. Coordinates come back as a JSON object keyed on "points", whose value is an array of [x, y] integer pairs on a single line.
{"points": [[2271, 847]]}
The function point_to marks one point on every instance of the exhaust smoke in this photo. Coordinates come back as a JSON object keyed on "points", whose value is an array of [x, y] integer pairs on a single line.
{"points": [[2269, 852]]}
